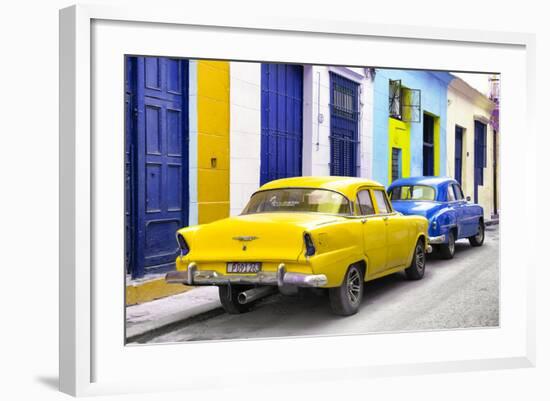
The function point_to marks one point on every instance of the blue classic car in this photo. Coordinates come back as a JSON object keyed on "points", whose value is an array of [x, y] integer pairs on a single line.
{"points": [[441, 201]]}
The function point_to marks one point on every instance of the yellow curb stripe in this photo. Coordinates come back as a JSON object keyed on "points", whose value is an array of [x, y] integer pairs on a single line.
{"points": [[150, 290]]}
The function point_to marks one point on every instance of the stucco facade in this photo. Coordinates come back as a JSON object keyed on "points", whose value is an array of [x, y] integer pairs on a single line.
{"points": [[408, 136], [246, 125], [466, 106]]}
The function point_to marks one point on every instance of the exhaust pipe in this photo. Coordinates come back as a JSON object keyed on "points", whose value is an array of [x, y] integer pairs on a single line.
{"points": [[254, 294]]}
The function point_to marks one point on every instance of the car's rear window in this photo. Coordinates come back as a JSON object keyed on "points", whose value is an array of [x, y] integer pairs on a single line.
{"points": [[298, 200], [412, 192]]}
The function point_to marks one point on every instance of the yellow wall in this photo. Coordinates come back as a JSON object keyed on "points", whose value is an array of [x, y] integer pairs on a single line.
{"points": [[399, 136], [437, 154], [212, 140]]}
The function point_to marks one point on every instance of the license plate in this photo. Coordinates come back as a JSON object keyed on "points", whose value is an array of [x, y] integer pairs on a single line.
{"points": [[243, 267]]}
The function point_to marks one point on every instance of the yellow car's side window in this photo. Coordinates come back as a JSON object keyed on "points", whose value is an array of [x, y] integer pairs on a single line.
{"points": [[365, 202], [382, 202]]}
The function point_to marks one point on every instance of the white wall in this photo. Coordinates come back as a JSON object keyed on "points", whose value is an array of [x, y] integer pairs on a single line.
{"points": [[316, 132], [245, 133], [465, 105]]}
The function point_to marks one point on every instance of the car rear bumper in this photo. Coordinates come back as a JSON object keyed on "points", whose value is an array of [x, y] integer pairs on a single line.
{"points": [[193, 276]]}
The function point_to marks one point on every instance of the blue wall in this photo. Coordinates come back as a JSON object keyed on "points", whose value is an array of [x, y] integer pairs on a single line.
{"points": [[433, 87]]}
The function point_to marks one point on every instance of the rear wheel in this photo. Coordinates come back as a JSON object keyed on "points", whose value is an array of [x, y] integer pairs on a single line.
{"points": [[418, 264], [345, 300], [447, 251], [477, 240], [228, 297]]}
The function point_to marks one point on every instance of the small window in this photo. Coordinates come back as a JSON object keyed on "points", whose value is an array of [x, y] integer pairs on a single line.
{"points": [[395, 164], [382, 202], [365, 203], [450, 194], [459, 195]]}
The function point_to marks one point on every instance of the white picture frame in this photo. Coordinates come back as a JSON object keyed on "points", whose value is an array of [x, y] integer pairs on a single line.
{"points": [[93, 358]]}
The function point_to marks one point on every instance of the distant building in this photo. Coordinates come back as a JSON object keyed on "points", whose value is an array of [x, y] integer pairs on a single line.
{"points": [[473, 143]]}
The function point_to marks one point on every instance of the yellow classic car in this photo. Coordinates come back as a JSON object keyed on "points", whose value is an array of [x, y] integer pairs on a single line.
{"points": [[327, 232]]}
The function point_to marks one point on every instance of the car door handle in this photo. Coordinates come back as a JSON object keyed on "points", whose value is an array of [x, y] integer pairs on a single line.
{"points": [[363, 221], [385, 218]]}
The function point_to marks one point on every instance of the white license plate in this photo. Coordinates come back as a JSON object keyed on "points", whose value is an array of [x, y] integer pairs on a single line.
{"points": [[243, 267]]}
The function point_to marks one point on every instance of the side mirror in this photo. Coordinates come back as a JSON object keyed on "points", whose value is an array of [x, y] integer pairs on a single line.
{"points": [[468, 199]]}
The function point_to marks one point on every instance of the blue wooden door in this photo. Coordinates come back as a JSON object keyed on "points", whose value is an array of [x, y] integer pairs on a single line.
{"points": [[130, 113], [480, 157], [282, 104], [159, 175], [344, 125], [458, 153]]}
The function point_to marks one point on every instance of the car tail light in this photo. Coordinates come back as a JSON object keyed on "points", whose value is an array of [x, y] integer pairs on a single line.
{"points": [[184, 248], [310, 248]]}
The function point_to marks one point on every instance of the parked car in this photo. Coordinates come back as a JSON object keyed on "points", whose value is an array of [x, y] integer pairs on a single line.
{"points": [[316, 232], [441, 201]]}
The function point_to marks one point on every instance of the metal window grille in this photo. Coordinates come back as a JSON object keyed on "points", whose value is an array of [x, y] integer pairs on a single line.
{"points": [[344, 125], [395, 98], [404, 103], [395, 163]]}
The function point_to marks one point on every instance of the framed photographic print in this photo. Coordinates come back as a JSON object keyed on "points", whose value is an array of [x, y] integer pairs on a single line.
{"points": [[280, 188]]}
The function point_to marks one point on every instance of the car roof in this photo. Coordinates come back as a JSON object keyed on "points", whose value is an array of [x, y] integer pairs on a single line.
{"points": [[423, 180], [345, 185]]}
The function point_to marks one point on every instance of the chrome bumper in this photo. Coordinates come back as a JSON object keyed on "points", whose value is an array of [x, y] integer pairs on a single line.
{"points": [[440, 239], [279, 278]]}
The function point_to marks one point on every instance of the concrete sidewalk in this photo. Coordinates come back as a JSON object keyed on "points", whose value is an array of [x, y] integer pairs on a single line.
{"points": [[153, 315]]}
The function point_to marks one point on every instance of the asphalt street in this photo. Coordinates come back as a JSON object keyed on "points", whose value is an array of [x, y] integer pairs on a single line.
{"points": [[458, 293]]}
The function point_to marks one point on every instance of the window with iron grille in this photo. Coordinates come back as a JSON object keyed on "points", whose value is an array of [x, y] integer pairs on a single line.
{"points": [[395, 163], [428, 145], [344, 127], [404, 103]]}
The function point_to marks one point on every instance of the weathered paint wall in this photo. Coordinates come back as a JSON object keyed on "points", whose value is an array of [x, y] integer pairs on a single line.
{"points": [[316, 143], [465, 106], [212, 101], [433, 86], [245, 133]]}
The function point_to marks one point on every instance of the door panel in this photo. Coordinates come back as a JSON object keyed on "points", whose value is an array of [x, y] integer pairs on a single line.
{"points": [[459, 208], [282, 104], [398, 243], [160, 136], [375, 237]]}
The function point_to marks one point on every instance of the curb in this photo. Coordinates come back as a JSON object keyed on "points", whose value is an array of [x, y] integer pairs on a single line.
{"points": [[156, 315], [140, 291]]}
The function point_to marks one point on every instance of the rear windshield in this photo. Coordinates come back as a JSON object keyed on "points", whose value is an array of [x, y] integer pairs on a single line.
{"points": [[412, 192], [298, 200]]}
